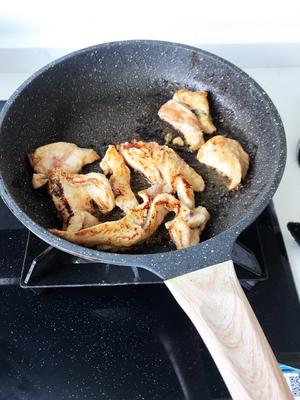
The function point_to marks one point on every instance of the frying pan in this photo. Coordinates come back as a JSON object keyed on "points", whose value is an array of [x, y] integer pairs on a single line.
{"points": [[111, 93]]}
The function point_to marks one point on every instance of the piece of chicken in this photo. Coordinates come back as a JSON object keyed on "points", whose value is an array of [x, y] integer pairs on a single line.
{"points": [[64, 155], [227, 156], [185, 121], [75, 197], [137, 226], [197, 102], [185, 228], [113, 163], [161, 165]]}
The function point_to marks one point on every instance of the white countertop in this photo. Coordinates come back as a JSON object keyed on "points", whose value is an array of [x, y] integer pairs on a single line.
{"points": [[282, 83]]}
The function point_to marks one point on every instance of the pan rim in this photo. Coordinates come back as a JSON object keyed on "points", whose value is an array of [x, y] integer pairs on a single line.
{"points": [[146, 260]]}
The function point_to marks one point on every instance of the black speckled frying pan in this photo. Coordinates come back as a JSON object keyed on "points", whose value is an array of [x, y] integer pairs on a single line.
{"points": [[111, 93]]}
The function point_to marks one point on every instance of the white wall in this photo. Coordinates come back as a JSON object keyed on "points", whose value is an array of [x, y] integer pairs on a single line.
{"points": [[75, 24]]}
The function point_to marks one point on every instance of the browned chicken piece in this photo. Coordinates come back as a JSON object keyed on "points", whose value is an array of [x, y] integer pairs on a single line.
{"points": [[113, 163], [185, 228], [162, 166], [76, 197], [138, 225], [185, 121], [197, 102], [58, 155], [228, 157]]}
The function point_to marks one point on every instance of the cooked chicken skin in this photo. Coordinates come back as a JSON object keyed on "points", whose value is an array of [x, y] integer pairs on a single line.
{"points": [[161, 165], [197, 102], [185, 121], [227, 156], [58, 155], [137, 226], [113, 163], [75, 197]]}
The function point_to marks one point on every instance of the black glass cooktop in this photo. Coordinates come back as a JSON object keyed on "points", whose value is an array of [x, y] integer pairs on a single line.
{"points": [[126, 341]]}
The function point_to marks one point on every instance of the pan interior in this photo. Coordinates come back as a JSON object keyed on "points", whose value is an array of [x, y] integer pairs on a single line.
{"points": [[111, 94]]}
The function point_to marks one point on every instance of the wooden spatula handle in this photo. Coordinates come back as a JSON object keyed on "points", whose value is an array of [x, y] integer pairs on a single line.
{"points": [[216, 304]]}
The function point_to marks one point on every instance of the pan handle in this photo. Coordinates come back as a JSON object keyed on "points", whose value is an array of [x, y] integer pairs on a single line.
{"points": [[216, 304]]}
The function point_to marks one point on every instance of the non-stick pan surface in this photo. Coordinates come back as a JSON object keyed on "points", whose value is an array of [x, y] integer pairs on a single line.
{"points": [[110, 94]]}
